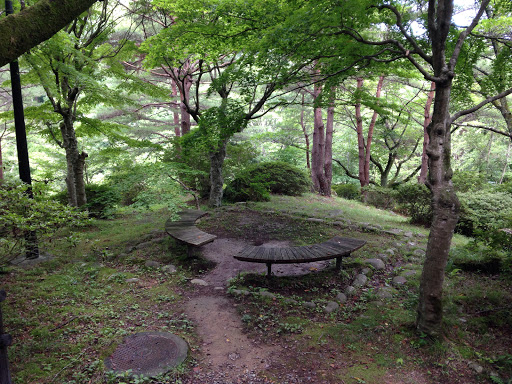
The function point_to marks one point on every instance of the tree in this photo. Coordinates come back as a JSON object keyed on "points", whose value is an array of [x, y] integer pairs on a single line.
{"points": [[68, 68], [35, 24]]}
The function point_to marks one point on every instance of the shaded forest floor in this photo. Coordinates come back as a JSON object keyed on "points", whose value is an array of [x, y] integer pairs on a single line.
{"points": [[123, 276]]}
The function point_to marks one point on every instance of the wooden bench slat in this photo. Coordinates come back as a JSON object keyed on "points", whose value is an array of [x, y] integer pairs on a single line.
{"points": [[185, 230], [337, 247]]}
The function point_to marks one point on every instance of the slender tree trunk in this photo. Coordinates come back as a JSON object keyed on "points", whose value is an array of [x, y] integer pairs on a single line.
{"points": [[329, 130], [360, 137], [318, 152], [306, 136], [1, 162], [426, 121], [176, 115], [75, 164], [216, 179], [445, 207], [366, 169], [506, 163], [185, 116]]}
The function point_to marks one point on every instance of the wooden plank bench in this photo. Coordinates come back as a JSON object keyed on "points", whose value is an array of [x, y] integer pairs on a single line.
{"points": [[337, 247], [185, 230]]}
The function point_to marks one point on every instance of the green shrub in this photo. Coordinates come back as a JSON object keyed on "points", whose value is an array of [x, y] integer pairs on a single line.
{"points": [[102, 200], [379, 197], [465, 181], [414, 200], [348, 191], [256, 182], [483, 211]]}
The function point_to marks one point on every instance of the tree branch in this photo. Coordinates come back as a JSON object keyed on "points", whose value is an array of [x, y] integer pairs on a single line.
{"points": [[480, 105], [35, 24]]}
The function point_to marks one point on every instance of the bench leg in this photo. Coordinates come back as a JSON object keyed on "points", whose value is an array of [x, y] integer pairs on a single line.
{"points": [[269, 269], [338, 263]]}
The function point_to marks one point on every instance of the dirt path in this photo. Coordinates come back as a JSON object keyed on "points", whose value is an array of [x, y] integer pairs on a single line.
{"points": [[229, 356]]}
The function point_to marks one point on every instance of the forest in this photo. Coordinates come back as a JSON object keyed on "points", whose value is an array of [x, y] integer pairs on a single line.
{"points": [[289, 122]]}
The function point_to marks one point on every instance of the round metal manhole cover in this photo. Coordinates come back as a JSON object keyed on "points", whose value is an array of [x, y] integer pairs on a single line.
{"points": [[148, 354]]}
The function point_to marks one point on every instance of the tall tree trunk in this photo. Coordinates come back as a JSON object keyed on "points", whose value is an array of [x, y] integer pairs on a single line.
{"points": [[445, 207], [75, 164], [1, 162], [176, 115], [185, 97], [506, 163], [318, 151], [360, 137], [427, 118], [329, 130], [306, 136], [370, 135], [216, 179]]}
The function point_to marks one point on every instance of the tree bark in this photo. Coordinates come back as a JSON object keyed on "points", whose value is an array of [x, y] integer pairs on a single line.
{"points": [[35, 24], [329, 130], [504, 168], [422, 178], [216, 179], [360, 137], [185, 96], [176, 115], [318, 150], [306, 136], [370, 135], [445, 207]]}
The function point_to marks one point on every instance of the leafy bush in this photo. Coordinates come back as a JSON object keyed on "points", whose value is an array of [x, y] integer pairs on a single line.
{"points": [[348, 191], [465, 181], [379, 197], [414, 200], [102, 200], [258, 181], [20, 214], [483, 210]]}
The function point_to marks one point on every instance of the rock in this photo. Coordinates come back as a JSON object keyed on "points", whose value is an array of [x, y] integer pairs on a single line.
{"points": [[335, 213], [411, 243], [394, 231], [377, 226], [198, 282], [340, 223], [240, 292], [290, 301], [132, 280], [408, 234], [309, 304], [359, 281], [331, 307], [399, 280], [350, 290], [382, 256], [376, 263], [421, 235], [408, 273], [391, 251], [130, 249], [341, 297], [419, 252], [315, 220], [398, 244], [152, 264], [365, 271], [218, 288], [476, 367], [267, 294], [169, 268], [385, 293]]}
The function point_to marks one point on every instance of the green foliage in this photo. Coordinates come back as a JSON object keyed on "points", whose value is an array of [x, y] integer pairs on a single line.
{"points": [[466, 181], [379, 197], [348, 191], [19, 214], [144, 185], [102, 200], [414, 200], [482, 210], [258, 181]]}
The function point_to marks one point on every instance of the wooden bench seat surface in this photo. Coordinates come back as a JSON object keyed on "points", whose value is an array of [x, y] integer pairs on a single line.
{"points": [[185, 230], [335, 247]]}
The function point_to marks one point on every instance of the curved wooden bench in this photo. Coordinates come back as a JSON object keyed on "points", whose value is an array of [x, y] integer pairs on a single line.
{"points": [[185, 230], [337, 248]]}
